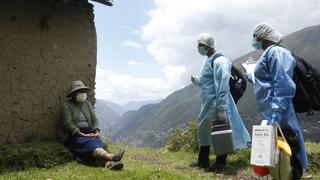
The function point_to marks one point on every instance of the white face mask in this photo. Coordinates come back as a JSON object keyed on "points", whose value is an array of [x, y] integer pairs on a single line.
{"points": [[81, 97]]}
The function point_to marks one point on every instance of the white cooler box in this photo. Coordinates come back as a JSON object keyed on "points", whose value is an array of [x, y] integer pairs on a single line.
{"points": [[263, 149], [223, 142]]}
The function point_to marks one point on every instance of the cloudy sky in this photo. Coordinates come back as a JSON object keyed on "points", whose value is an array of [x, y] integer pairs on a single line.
{"points": [[147, 48]]}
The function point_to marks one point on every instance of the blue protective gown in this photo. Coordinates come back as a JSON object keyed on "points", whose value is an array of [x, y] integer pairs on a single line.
{"points": [[275, 89], [215, 94]]}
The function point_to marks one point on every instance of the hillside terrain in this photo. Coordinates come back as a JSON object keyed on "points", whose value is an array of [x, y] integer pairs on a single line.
{"points": [[135, 105], [108, 113], [107, 116], [150, 125]]}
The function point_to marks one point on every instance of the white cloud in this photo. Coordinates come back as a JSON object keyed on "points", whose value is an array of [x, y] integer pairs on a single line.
{"points": [[132, 44], [174, 26], [134, 62], [173, 72], [122, 88]]}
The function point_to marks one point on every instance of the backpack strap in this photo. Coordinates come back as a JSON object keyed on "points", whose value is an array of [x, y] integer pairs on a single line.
{"points": [[236, 75], [266, 54], [215, 57], [274, 45]]}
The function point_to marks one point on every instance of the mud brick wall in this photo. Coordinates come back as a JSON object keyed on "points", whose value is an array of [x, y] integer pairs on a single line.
{"points": [[44, 46]]}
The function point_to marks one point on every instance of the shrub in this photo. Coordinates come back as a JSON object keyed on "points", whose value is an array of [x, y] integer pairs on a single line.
{"points": [[41, 154], [184, 140]]}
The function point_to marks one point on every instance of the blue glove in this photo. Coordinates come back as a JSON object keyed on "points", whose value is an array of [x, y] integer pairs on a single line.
{"points": [[276, 117], [249, 77], [222, 117]]}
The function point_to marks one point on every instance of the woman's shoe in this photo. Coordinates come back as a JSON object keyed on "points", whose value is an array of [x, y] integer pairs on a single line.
{"points": [[118, 156], [113, 165]]}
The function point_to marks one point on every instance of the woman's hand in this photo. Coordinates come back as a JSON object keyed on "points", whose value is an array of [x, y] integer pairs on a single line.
{"points": [[96, 134], [90, 135]]}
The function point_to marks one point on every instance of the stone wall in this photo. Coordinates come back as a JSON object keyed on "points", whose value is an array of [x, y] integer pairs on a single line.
{"points": [[44, 46]]}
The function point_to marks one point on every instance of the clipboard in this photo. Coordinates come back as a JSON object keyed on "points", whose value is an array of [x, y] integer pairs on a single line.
{"points": [[250, 66]]}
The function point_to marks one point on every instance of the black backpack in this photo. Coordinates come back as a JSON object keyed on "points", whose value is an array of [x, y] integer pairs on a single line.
{"points": [[238, 84], [307, 80], [237, 81]]}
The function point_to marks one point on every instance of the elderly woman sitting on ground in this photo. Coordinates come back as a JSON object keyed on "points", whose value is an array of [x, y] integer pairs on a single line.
{"points": [[79, 130]]}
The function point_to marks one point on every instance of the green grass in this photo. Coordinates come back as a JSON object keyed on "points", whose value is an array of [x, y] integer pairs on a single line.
{"points": [[143, 163], [140, 163]]}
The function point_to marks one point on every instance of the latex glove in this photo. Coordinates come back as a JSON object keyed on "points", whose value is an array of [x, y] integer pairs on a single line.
{"points": [[193, 78], [276, 117], [249, 77]]}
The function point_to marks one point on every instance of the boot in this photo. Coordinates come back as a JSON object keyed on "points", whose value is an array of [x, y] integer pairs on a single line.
{"points": [[118, 156], [199, 165], [219, 165], [203, 158], [114, 165]]}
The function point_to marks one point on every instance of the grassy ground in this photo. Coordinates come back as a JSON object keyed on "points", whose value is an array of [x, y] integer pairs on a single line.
{"points": [[142, 163]]}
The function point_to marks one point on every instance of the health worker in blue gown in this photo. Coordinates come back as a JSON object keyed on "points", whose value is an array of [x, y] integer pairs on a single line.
{"points": [[274, 87], [216, 103]]}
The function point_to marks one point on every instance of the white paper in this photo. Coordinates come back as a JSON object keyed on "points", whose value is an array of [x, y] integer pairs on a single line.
{"points": [[250, 66]]}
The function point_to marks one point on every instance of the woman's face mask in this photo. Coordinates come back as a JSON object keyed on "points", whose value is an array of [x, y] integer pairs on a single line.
{"points": [[202, 50], [81, 97], [256, 44]]}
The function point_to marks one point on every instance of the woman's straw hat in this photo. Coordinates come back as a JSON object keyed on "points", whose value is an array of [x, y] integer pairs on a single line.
{"points": [[77, 85]]}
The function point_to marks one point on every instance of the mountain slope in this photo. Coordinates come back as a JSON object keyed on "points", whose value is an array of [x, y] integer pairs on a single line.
{"points": [[118, 109], [149, 126], [135, 105], [107, 117], [108, 113]]}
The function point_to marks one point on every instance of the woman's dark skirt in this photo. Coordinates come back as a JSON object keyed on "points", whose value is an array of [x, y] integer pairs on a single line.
{"points": [[82, 148]]}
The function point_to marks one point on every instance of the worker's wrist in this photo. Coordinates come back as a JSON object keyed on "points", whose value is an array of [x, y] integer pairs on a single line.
{"points": [[278, 110]]}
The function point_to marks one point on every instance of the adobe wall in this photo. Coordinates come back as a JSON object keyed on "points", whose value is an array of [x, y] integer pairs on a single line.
{"points": [[44, 46]]}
